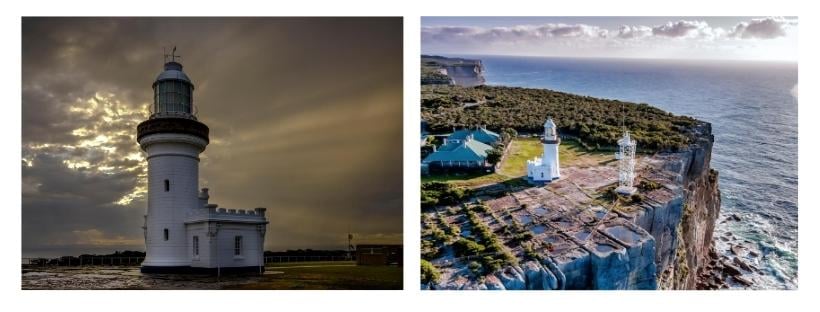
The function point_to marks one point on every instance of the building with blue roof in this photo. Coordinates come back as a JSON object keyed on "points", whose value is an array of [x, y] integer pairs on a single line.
{"points": [[464, 148], [480, 134]]}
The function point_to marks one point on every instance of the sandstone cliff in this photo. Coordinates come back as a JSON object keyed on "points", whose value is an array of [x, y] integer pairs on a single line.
{"points": [[660, 239], [451, 71]]}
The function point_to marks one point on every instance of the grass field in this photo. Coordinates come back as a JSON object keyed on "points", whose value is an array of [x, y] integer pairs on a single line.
{"points": [[326, 275], [514, 165]]}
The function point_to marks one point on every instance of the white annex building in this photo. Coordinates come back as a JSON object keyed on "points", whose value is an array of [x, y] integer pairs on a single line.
{"points": [[183, 232], [546, 168]]}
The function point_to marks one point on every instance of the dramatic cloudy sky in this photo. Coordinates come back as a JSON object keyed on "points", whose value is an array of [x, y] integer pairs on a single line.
{"points": [[305, 118], [747, 38]]}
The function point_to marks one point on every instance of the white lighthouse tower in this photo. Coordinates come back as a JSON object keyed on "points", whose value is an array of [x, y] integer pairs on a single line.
{"points": [[546, 168], [182, 231]]}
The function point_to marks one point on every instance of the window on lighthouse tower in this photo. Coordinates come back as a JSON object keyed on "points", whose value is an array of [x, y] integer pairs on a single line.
{"points": [[165, 234], [167, 185]]}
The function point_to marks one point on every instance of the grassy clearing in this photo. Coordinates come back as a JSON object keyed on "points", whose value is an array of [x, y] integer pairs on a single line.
{"points": [[514, 165], [323, 275], [572, 154], [519, 151]]}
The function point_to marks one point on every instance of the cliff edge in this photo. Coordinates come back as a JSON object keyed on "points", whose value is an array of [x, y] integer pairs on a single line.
{"points": [[576, 233], [439, 70]]}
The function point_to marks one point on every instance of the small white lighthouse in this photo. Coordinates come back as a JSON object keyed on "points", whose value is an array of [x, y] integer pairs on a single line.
{"points": [[546, 168], [183, 233]]}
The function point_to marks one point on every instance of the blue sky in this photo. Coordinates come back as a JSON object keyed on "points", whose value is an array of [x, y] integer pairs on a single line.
{"points": [[741, 38]]}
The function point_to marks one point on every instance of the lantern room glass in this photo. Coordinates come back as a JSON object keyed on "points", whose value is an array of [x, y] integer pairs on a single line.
{"points": [[173, 96]]}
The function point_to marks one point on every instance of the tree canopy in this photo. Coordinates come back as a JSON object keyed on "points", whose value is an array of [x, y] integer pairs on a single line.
{"points": [[596, 122]]}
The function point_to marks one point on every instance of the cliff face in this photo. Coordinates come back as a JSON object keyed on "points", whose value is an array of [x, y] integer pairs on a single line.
{"points": [[682, 226], [661, 242], [466, 75], [700, 210], [451, 71]]}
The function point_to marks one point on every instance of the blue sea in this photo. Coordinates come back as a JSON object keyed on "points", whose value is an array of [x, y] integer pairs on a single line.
{"points": [[753, 110]]}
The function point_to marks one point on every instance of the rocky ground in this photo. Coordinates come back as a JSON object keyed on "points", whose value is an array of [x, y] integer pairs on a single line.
{"points": [[575, 234], [125, 277], [740, 268]]}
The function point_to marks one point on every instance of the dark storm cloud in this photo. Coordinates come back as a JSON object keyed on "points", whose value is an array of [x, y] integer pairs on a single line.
{"points": [[305, 118]]}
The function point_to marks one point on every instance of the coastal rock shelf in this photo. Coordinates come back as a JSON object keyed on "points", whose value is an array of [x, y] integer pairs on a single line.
{"points": [[575, 233]]}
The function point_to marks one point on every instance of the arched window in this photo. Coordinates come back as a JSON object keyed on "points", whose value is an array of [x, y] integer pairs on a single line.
{"points": [[165, 234], [167, 185]]}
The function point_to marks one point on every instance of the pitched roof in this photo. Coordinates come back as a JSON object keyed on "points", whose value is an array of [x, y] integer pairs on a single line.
{"points": [[469, 150], [480, 134]]}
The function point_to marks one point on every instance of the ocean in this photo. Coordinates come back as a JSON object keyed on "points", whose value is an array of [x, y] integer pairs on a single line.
{"points": [[753, 110]]}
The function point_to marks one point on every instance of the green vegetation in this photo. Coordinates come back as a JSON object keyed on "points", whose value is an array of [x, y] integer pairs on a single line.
{"points": [[467, 180], [648, 185], [438, 235], [610, 195], [465, 247], [429, 273], [520, 150], [491, 242], [530, 253], [438, 193], [429, 250], [594, 121], [494, 155], [475, 268], [491, 264]]}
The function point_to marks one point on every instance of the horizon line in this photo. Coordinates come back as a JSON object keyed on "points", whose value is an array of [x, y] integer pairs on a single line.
{"points": [[781, 61]]}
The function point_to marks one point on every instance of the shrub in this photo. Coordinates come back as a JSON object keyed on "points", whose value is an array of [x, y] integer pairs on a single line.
{"points": [[440, 193], [475, 268], [481, 208], [491, 265], [439, 235], [648, 185], [465, 247], [522, 237], [454, 230], [494, 155], [429, 273], [531, 254]]}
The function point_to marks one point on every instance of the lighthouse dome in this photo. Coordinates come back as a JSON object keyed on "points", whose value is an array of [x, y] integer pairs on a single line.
{"points": [[173, 93], [173, 71]]}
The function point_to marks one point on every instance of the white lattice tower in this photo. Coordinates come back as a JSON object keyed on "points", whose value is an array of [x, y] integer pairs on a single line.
{"points": [[626, 164]]}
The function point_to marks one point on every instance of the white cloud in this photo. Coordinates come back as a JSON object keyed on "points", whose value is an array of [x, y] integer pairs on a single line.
{"points": [[763, 28], [514, 33], [681, 38], [630, 32], [686, 29]]}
